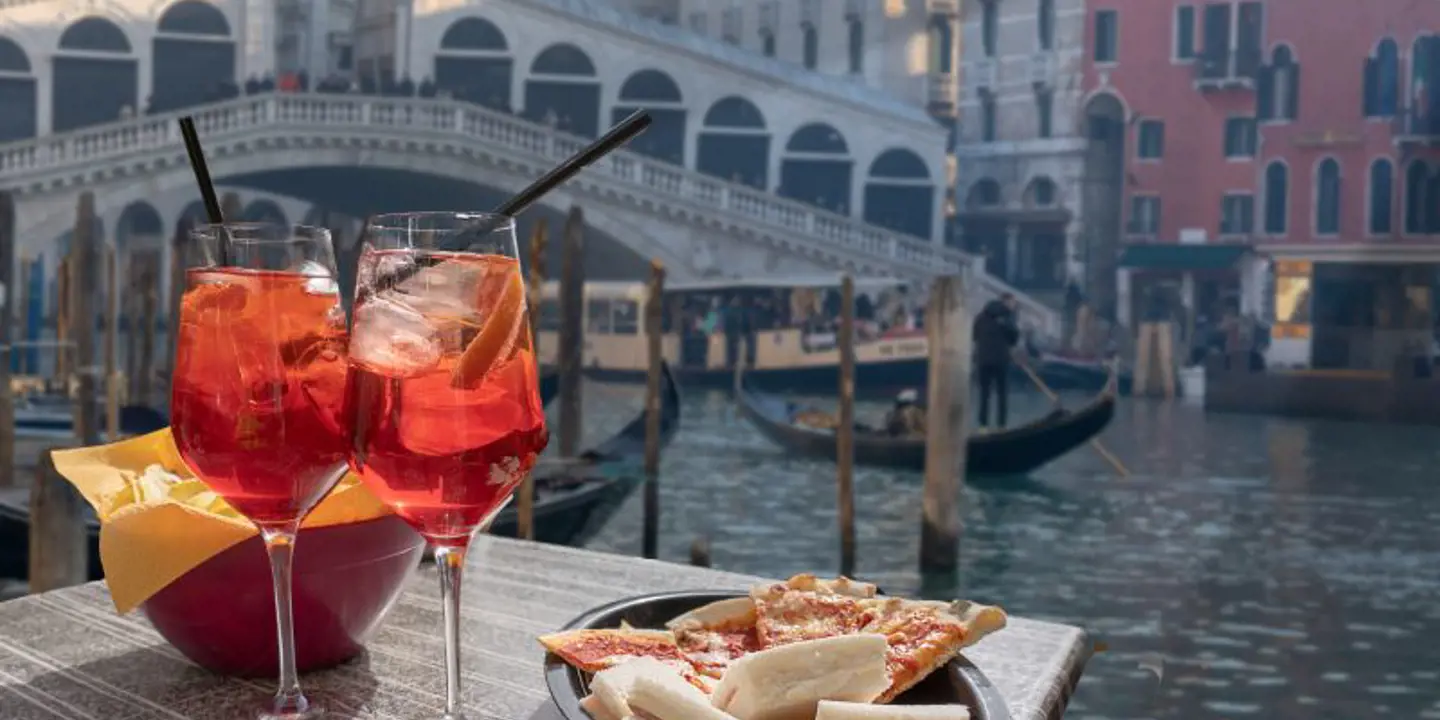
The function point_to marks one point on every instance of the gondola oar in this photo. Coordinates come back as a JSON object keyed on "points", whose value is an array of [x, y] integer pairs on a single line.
{"points": [[1094, 442]]}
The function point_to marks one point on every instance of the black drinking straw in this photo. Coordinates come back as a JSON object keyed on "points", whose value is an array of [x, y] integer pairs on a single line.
{"points": [[207, 188], [622, 133]]}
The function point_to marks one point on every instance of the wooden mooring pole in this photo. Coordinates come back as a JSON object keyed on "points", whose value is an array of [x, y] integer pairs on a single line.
{"points": [[571, 350], [945, 434], [149, 306], [845, 428], [7, 336], [85, 261], [61, 378], [179, 245], [535, 298], [25, 298], [654, 337], [112, 333], [58, 546]]}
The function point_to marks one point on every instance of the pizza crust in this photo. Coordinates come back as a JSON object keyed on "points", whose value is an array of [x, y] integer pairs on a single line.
{"points": [[730, 613]]}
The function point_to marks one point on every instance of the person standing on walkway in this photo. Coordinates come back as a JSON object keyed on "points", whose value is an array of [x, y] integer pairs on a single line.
{"points": [[995, 334]]}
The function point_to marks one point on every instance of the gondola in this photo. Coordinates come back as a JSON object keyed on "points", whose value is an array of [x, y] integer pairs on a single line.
{"points": [[571, 503], [1006, 452]]}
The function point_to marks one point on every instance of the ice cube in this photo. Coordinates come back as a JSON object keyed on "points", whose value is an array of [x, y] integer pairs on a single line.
{"points": [[392, 338]]}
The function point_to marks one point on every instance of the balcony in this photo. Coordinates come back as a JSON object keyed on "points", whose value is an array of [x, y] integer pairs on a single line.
{"points": [[1043, 68], [1416, 126], [943, 92], [1227, 70], [983, 74], [948, 8]]}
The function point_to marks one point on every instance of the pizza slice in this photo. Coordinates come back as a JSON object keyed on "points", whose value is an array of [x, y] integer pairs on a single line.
{"points": [[592, 651], [924, 635], [714, 636], [807, 608]]}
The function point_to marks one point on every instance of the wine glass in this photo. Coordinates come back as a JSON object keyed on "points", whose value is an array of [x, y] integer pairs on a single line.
{"points": [[258, 392], [443, 399]]}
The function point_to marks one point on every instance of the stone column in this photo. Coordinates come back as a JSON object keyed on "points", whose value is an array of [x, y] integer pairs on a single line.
{"points": [[1012, 251], [1122, 297], [405, 43], [317, 44], [257, 36], [44, 100]]}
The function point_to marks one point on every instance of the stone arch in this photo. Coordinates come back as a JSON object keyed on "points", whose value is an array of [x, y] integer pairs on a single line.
{"points": [[563, 90], [17, 93], [474, 63], [899, 194], [96, 76], [816, 168], [984, 195], [1041, 192], [474, 33], [658, 94], [264, 210], [734, 144], [193, 58]]}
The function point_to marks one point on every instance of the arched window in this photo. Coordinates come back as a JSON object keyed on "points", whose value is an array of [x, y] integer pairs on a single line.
{"points": [[1277, 197], [856, 27], [733, 144], [473, 63], [1278, 90], [1045, 24], [942, 45], [563, 90], [1382, 80], [657, 93], [17, 93], [194, 58], [95, 76], [1417, 198], [810, 45], [985, 193], [1327, 197], [1382, 196]]}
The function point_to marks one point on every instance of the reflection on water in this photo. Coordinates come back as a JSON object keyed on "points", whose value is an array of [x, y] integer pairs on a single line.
{"points": [[1251, 567]]}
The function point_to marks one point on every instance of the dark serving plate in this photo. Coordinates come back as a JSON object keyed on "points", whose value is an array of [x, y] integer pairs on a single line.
{"points": [[960, 682]]}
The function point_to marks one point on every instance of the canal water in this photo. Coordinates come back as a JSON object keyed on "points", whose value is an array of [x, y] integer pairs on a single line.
{"points": [[1251, 566]]}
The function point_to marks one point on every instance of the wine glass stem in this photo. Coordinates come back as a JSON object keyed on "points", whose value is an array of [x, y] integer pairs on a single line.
{"points": [[450, 561], [280, 545]]}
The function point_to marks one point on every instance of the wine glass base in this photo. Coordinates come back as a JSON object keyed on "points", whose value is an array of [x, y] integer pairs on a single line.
{"points": [[453, 716], [302, 710], [310, 713]]}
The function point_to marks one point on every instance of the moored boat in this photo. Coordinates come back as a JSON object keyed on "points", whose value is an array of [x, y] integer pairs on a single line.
{"points": [[783, 328], [1015, 451]]}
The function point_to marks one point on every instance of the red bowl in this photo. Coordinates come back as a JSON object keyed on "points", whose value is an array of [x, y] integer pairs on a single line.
{"points": [[221, 614]]}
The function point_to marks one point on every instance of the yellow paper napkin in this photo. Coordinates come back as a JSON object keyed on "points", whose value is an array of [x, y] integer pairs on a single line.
{"points": [[157, 521]]}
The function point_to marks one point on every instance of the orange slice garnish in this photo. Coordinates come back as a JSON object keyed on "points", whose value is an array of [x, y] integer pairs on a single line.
{"points": [[497, 336]]}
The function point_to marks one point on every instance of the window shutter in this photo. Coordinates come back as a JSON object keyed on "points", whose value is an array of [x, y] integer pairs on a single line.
{"points": [[1265, 94]]}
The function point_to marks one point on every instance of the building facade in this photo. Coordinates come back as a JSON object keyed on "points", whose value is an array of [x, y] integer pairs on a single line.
{"points": [[1021, 148], [1307, 132]]}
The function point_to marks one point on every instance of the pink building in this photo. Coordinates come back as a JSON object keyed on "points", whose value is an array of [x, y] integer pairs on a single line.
{"points": [[1284, 154]]}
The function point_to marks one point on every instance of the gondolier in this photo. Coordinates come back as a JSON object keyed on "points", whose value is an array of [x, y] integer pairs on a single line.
{"points": [[995, 335]]}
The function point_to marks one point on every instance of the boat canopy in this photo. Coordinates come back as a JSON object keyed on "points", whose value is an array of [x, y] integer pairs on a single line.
{"points": [[636, 290]]}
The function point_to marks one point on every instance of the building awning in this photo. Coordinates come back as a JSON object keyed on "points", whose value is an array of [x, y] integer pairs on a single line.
{"points": [[1179, 258]]}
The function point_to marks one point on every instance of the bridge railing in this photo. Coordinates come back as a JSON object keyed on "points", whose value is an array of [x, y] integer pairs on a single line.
{"points": [[542, 145]]}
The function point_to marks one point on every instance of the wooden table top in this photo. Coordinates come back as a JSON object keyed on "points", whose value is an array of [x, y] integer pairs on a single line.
{"points": [[67, 655]]}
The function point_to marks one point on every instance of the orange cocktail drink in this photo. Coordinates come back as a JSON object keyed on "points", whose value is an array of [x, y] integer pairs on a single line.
{"points": [[443, 400]]}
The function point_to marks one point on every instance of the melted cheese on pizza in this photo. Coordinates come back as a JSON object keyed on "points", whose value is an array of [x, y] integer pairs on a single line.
{"points": [[788, 616], [594, 650], [712, 650]]}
